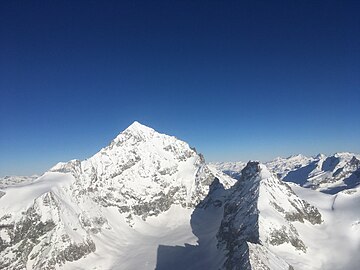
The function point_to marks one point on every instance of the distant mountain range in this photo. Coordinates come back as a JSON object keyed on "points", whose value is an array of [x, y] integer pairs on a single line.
{"points": [[150, 201], [14, 180], [329, 174]]}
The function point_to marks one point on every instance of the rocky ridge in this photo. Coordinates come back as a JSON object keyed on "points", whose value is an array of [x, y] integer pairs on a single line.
{"points": [[261, 213]]}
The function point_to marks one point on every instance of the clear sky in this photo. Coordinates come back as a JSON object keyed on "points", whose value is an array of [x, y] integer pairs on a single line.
{"points": [[238, 80]]}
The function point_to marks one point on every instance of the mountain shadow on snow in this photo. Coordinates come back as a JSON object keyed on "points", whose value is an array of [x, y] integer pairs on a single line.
{"points": [[233, 232], [205, 221]]}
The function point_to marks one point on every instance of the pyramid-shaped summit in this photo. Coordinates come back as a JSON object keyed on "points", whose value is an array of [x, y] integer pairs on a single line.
{"points": [[136, 126], [142, 164], [136, 129]]}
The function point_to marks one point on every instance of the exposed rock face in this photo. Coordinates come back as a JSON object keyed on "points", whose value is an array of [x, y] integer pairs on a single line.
{"points": [[40, 236], [259, 214], [74, 252], [25, 234], [286, 235], [235, 232], [215, 197]]}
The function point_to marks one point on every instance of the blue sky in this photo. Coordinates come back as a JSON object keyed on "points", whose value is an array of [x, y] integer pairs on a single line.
{"points": [[238, 80]]}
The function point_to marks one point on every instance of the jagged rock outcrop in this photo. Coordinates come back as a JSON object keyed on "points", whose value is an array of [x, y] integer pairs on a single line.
{"points": [[260, 213]]}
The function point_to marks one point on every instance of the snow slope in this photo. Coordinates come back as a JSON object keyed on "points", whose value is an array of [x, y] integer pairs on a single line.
{"points": [[336, 243]]}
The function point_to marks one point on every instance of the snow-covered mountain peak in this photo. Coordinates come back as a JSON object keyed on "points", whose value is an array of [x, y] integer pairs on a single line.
{"points": [[262, 216], [320, 156], [255, 171], [138, 150], [339, 155], [136, 132], [297, 157], [354, 161], [252, 168], [138, 128], [143, 173], [142, 151], [344, 155]]}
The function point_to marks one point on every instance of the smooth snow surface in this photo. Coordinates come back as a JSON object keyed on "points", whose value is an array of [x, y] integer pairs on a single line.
{"points": [[335, 244], [136, 247]]}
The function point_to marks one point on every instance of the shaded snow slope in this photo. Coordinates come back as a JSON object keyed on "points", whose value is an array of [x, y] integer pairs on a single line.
{"points": [[205, 222]]}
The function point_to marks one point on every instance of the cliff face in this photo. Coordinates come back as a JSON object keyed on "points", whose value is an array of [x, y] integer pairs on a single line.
{"points": [[260, 214]]}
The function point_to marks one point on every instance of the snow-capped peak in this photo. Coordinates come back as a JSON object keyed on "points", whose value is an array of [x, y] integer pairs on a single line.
{"points": [[320, 156], [137, 131], [138, 127], [298, 156], [143, 165], [263, 210], [345, 155], [252, 168]]}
